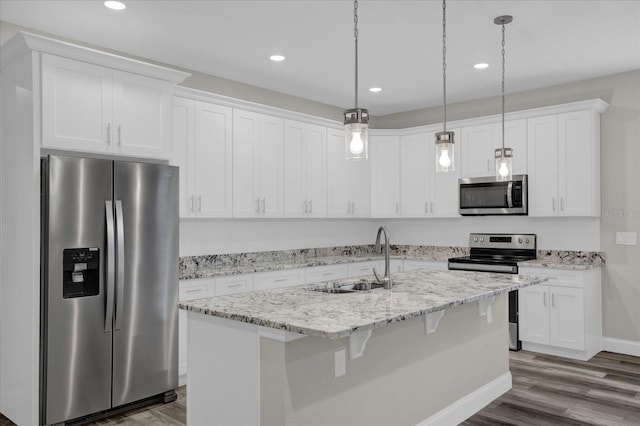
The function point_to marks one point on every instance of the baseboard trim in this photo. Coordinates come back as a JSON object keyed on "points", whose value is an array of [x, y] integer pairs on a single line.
{"points": [[627, 347], [471, 403]]}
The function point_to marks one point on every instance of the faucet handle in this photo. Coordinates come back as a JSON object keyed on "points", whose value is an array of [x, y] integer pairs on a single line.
{"points": [[375, 273]]}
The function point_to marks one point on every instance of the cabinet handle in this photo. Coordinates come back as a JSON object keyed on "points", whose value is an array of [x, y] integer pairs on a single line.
{"points": [[431, 203], [199, 203], [191, 203], [554, 203], [310, 206], [544, 299], [264, 204], [489, 166], [235, 285], [553, 300], [561, 203], [257, 205], [108, 133], [279, 280], [119, 135], [305, 206], [326, 274], [198, 290], [353, 209]]}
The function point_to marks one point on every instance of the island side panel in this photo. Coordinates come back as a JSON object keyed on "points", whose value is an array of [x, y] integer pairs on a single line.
{"points": [[223, 377], [404, 377]]}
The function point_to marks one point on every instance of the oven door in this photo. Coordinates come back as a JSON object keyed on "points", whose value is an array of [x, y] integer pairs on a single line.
{"points": [[487, 196]]}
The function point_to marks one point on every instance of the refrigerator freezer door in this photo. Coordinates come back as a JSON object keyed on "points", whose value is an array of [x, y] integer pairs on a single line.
{"points": [[145, 346], [77, 359]]}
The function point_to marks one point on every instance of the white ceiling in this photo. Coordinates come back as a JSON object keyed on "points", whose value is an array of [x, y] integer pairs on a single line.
{"points": [[549, 42]]}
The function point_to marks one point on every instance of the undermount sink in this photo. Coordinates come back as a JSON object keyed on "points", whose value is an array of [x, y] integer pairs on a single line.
{"points": [[349, 286]]}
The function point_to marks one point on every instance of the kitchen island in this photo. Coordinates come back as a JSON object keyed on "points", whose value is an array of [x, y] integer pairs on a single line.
{"points": [[432, 350]]}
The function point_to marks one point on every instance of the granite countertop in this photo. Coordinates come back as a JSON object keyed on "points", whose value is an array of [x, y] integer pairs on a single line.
{"points": [[302, 310]]}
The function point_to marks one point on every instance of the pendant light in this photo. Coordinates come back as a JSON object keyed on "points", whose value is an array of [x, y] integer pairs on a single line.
{"points": [[356, 120], [503, 156], [444, 140]]}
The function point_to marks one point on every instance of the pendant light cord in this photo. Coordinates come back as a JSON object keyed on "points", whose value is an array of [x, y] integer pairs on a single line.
{"points": [[503, 68], [355, 36], [444, 59]]}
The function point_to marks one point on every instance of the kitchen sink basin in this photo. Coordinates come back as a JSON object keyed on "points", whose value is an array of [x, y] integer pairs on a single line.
{"points": [[348, 287]]}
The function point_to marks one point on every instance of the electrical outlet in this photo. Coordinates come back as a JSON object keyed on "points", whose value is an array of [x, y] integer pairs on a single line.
{"points": [[626, 238]]}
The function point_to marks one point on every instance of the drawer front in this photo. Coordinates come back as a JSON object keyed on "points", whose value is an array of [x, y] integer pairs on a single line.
{"points": [[557, 277], [196, 289], [326, 273], [361, 269], [234, 284], [278, 279]]}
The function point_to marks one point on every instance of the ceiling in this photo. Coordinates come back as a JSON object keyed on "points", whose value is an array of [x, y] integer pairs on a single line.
{"points": [[400, 43]]}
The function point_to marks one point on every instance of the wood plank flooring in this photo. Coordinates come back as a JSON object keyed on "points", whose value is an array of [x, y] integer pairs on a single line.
{"points": [[547, 390]]}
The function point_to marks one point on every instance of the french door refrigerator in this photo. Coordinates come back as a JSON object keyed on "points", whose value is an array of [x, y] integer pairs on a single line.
{"points": [[109, 281]]}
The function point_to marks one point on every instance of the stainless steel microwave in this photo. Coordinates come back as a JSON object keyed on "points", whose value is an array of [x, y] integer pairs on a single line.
{"points": [[488, 196]]}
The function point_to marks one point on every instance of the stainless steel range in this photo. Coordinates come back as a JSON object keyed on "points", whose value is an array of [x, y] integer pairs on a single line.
{"points": [[499, 253]]}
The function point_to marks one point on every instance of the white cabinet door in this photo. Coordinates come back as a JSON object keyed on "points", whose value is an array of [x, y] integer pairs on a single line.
{"points": [[416, 167], [478, 145], [384, 161], [533, 306], [141, 113], [347, 181], [211, 159], [567, 322], [304, 170], [338, 201], [87, 107], [564, 165], [76, 105], [543, 165], [202, 150], [579, 165], [257, 165]]}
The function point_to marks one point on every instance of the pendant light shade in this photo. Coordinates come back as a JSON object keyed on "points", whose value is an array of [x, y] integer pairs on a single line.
{"points": [[356, 131], [445, 144], [356, 120], [503, 156]]}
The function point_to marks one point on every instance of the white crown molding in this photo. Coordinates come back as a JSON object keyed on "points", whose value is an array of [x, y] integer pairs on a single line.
{"points": [[201, 95], [25, 41]]}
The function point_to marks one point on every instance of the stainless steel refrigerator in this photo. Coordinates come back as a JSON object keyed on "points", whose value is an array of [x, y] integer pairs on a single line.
{"points": [[109, 279]]}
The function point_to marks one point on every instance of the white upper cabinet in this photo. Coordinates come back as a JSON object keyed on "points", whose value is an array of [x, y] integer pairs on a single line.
{"points": [[425, 193], [87, 107], [203, 150], [384, 158], [347, 181], [305, 170], [258, 142], [564, 164], [479, 143]]}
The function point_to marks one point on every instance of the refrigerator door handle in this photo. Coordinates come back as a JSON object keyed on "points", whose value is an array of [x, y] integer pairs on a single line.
{"points": [[120, 264], [111, 266]]}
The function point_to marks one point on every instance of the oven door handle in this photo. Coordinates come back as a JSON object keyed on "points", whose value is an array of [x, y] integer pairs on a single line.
{"points": [[510, 194], [479, 267]]}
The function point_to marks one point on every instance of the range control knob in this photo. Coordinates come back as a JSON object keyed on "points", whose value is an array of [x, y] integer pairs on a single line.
{"points": [[527, 241], [520, 240], [482, 239], [475, 239]]}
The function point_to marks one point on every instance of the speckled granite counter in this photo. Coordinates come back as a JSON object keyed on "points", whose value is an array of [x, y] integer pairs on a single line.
{"points": [[302, 310], [246, 263]]}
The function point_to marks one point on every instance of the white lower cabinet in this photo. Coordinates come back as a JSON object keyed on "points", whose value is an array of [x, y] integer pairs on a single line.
{"points": [[318, 274], [189, 290], [563, 316], [278, 279]]}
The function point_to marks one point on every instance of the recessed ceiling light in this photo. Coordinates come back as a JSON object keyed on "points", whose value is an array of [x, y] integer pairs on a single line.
{"points": [[277, 58], [375, 89], [115, 5], [481, 66]]}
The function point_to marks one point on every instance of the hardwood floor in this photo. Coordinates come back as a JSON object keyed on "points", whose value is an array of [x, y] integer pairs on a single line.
{"points": [[547, 390]]}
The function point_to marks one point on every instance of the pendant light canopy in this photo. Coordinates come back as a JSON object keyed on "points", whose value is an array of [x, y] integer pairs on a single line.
{"points": [[445, 161], [503, 156], [356, 120]]}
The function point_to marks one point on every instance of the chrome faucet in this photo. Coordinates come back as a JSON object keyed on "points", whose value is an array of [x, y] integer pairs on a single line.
{"points": [[386, 280]]}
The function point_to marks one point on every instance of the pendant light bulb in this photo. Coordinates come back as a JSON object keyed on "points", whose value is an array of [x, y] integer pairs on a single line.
{"points": [[444, 140], [503, 170], [356, 146]]}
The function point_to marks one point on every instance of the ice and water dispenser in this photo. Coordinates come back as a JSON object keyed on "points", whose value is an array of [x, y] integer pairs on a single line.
{"points": [[81, 269]]}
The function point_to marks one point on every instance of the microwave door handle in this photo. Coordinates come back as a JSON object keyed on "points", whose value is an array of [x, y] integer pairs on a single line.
{"points": [[111, 266], [510, 195]]}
